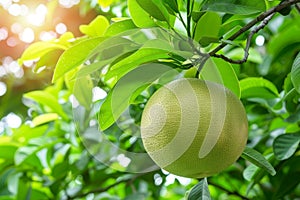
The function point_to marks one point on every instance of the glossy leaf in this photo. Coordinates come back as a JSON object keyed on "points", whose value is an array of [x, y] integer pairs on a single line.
{"points": [[220, 71], [83, 91], [25, 153], [47, 60], [120, 96], [284, 41], [208, 27], [46, 99], [141, 56], [173, 4], [240, 7], [153, 9], [105, 3], [250, 172], [258, 159], [254, 87], [75, 56], [39, 49], [7, 150], [119, 27], [96, 28], [139, 16], [285, 145], [44, 118], [295, 75], [200, 191]]}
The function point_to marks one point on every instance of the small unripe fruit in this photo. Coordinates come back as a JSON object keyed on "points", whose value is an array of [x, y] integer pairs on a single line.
{"points": [[194, 128]]}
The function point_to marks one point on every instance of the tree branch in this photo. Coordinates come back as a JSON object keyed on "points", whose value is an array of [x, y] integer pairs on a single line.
{"points": [[264, 18], [246, 50]]}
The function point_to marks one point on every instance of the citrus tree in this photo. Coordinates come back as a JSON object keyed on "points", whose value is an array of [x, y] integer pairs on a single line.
{"points": [[81, 137]]}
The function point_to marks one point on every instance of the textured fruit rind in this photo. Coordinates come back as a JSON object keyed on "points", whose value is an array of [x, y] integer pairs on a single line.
{"points": [[160, 126]]}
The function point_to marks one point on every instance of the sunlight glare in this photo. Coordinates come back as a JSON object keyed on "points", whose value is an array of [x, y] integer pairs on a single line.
{"points": [[41, 9], [38, 17], [5, 3], [47, 35], [15, 10], [24, 10], [27, 35], [68, 3]]}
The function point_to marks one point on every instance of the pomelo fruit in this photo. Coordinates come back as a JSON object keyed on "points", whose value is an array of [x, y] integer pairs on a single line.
{"points": [[194, 128]]}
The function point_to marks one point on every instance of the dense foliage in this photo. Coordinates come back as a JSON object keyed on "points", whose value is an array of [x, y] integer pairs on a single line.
{"points": [[79, 136]]}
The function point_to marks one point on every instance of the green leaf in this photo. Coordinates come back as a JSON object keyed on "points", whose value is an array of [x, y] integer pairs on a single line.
{"points": [[200, 191], [105, 3], [96, 28], [153, 9], [258, 159], [240, 7], [287, 184], [83, 91], [7, 150], [75, 56], [39, 49], [49, 60], [141, 56], [25, 133], [173, 4], [295, 74], [283, 42], [119, 98], [139, 16], [25, 153], [254, 87], [220, 71], [119, 27], [46, 99], [208, 27], [250, 172], [284, 146], [44, 118]]}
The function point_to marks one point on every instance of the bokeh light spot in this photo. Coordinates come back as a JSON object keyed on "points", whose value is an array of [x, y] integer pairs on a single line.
{"points": [[15, 10], [260, 40], [41, 10], [61, 28], [27, 35], [5, 3], [16, 28], [3, 33], [47, 35], [12, 41], [13, 120], [3, 89]]}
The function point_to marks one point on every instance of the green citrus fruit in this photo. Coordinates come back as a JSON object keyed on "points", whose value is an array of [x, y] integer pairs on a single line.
{"points": [[194, 128]]}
